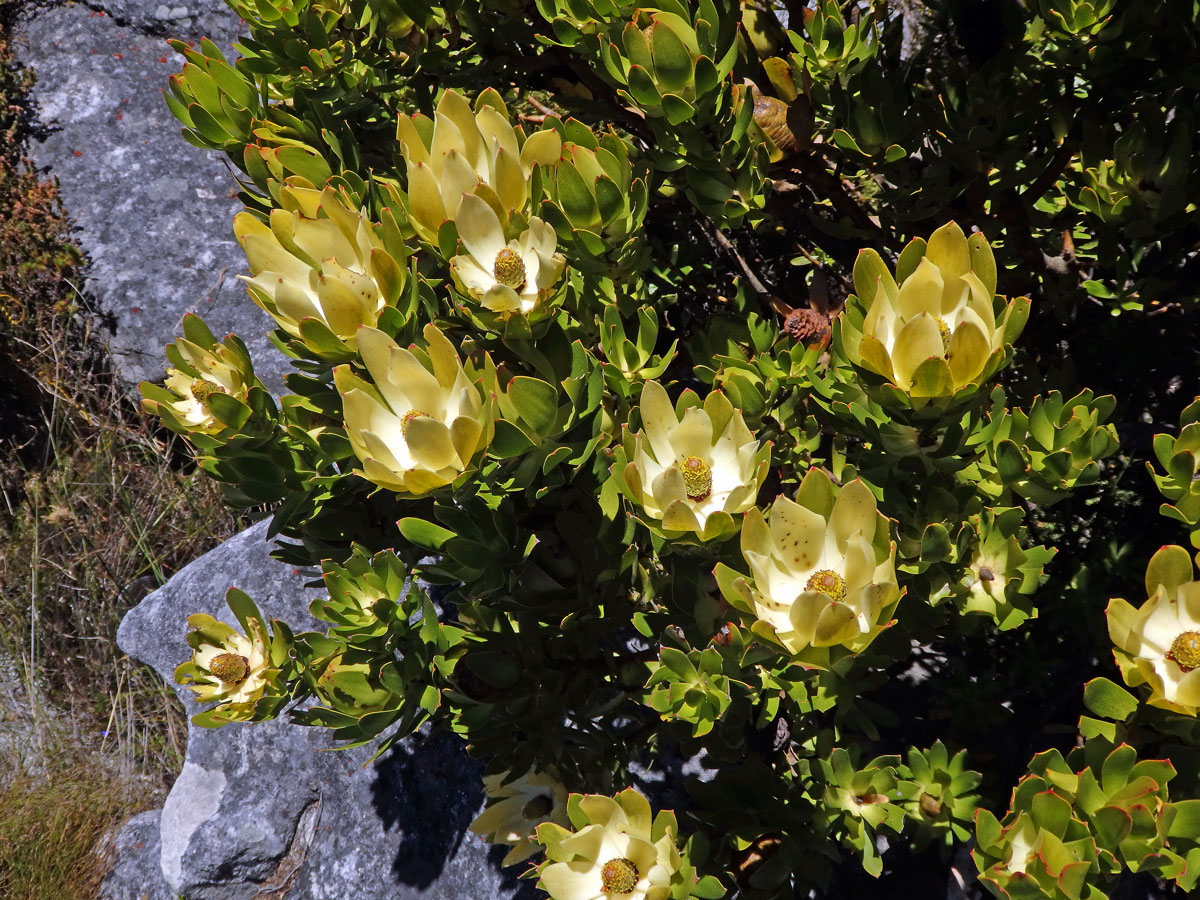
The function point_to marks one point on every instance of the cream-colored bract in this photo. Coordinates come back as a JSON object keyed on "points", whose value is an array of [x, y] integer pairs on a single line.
{"points": [[1026, 840], [516, 809], [1157, 645], [422, 421], [823, 574], [216, 373], [305, 265], [936, 331], [505, 277], [469, 153], [617, 841], [694, 473]]}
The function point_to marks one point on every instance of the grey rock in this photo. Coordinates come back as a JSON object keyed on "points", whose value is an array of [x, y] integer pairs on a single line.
{"points": [[153, 214], [264, 809], [137, 873]]}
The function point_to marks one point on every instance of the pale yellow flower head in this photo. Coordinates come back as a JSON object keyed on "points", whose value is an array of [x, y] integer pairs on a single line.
{"points": [[694, 468], [936, 331], [477, 153], [315, 268], [235, 669], [516, 809], [617, 855], [422, 421], [1159, 643], [232, 669], [218, 371], [512, 277], [823, 567]]}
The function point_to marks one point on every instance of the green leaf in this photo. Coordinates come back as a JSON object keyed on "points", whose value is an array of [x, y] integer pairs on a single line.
{"points": [[779, 72], [1092, 728], [672, 61], [610, 498], [1114, 773], [709, 888], [637, 47], [1051, 812], [424, 534], [932, 379], [1186, 820], [306, 163], [843, 139], [609, 201], [230, 81], [987, 829], [536, 402], [935, 543], [1112, 824], [1169, 567], [509, 441], [1108, 699], [910, 258], [575, 197], [206, 123], [676, 109], [643, 90], [1010, 462]]}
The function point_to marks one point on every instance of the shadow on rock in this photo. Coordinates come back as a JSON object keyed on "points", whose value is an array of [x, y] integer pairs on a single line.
{"points": [[429, 790], [514, 887]]}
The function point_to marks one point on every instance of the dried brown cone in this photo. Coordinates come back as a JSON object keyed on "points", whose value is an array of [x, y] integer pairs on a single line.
{"points": [[807, 326]]}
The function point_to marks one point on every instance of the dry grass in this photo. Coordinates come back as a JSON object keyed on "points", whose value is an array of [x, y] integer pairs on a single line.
{"points": [[52, 830]]}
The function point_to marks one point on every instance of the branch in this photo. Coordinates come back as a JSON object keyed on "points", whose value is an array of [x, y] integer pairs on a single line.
{"points": [[1061, 159], [824, 184], [727, 244]]}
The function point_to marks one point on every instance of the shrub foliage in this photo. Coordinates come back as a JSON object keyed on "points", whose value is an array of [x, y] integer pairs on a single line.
{"points": [[726, 385]]}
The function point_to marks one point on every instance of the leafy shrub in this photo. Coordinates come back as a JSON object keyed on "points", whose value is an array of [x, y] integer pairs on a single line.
{"points": [[646, 339]]}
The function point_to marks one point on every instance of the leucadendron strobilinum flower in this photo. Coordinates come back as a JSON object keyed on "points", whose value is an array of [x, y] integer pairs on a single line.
{"points": [[505, 277], [618, 849], [321, 269], [421, 421], [1158, 643], [693, 466], [462, 152], [935, 328], [239, 671], [823, 572], [516, 808], [207, 384]]}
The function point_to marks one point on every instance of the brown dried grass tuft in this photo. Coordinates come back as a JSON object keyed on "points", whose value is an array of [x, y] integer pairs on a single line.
{"points": [[52, 830]]}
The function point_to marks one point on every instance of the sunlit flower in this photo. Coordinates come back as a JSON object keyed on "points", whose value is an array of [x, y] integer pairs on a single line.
{"points": [[823, 568], [422, 421], [693, 473], [314, 270], [477, 153], [1159, 644], [936, 331], [504, 277], [616, 856], [213, 371], [233, 669]]}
